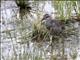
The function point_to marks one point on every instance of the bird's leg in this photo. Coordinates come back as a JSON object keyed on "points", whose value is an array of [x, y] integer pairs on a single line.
{"points": [[63, 47], [51, 39], [51, 44]]}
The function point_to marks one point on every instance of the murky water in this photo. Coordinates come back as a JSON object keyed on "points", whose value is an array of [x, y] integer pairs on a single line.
{"points": [[12, 49]]}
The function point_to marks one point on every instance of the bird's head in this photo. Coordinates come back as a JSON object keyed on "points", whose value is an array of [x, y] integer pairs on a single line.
{"points": [[46, 16]]}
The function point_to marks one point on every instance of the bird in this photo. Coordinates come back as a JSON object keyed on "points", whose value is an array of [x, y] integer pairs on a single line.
{"points": [[54, 26]]}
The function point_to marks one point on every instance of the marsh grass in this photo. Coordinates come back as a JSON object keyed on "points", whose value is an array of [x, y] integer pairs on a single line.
{"points": [[73, 55], [40, 33]]}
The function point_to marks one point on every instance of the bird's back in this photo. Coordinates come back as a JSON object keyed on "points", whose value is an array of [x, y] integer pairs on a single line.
{"points": [[54, 26]]}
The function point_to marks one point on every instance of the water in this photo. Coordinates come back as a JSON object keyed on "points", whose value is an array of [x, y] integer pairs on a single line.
{"points": [[15, 49]]}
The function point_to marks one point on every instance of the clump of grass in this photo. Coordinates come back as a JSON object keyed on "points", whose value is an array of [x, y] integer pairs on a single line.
{"points": [[54, 57], [39, 33], [73, 55]]}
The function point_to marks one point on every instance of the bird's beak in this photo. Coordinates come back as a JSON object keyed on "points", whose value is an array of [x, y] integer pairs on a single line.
{"points": [[43, 19]]}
